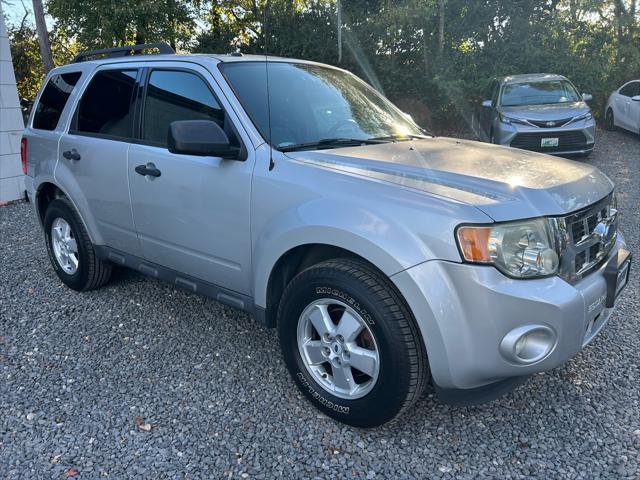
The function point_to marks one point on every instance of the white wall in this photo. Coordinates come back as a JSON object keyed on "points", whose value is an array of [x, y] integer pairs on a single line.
{"points": [[11, 125]]}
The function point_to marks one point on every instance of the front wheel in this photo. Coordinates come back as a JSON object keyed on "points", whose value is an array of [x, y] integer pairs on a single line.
{"points": [[609, 120], [351, 344]]}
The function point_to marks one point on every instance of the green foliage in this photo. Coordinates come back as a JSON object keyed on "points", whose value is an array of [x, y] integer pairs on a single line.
{"points": [[25, 53], [107, 23], [393, 44]]}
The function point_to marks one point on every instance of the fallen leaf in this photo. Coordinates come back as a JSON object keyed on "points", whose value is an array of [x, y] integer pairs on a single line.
{"points": [[72, 472], [141, 424]]}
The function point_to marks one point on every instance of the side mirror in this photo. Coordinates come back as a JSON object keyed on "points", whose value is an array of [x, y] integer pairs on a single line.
{"points": [[636, 98], [200, 137], [487, 104], [587, 97]]}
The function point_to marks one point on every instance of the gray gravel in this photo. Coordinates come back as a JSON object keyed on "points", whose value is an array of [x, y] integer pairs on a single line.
{"points": [[83, 375]]}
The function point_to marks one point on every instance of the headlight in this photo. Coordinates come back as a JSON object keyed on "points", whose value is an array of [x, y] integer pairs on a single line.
{"points": [[518, 249], [510, 120], [584, 116]]}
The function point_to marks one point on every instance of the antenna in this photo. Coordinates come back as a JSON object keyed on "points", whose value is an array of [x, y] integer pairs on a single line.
{"points": [[266, 67]]}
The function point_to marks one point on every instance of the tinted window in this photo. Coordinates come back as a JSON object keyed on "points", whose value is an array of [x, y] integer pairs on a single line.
{"points": [[172, 96], [631, 90], [106, 107], [539, 93], [53, 99]]}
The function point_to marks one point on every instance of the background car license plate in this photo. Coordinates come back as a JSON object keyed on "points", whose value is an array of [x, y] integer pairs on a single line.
{"points": [[549, 142]]}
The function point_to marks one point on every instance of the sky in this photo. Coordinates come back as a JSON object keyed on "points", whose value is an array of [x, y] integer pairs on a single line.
{"points": [[14, 11]]}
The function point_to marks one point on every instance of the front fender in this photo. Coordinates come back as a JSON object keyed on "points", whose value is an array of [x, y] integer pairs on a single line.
{"points": [[385, 243]]}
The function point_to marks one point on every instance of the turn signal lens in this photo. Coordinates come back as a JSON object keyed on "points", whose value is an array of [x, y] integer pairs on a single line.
{"points": [[474, 243]]}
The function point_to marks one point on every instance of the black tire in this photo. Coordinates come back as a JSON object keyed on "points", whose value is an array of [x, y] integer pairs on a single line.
{"points": [[92, 272], [403, 372], [609, 120]]}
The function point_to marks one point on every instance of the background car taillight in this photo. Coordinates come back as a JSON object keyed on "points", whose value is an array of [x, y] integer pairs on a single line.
{"points": [[23, 154]]}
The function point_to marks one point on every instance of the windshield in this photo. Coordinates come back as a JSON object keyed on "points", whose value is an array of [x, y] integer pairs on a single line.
{"points": [[538, 93], [311, 104]]}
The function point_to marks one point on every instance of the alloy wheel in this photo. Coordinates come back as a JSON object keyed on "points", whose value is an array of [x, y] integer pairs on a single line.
{"points": [[65, 247], [338, 349]]}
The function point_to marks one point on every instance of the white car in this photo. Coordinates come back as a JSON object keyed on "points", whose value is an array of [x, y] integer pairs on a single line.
{"points": [[623, 108]]}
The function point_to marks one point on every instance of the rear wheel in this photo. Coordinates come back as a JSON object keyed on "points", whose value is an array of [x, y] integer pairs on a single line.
{"points": [[609, 120], [351, 343], [70, 250]]}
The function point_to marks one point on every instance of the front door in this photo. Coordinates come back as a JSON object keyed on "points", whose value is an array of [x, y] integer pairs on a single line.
{"points": [[194, 216], [93, 155], [626, 105]]}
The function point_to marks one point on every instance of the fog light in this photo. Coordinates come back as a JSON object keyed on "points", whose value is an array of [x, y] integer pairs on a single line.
{"points": [[528, 344]]}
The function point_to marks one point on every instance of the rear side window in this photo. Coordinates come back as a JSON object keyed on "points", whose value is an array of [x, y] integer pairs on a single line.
{"points": [[53, 99], [176, 95], [106, 108]]}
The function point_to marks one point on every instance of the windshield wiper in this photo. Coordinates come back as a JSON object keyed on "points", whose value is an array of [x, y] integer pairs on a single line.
{"points": [[398, 137], [333, 142]]}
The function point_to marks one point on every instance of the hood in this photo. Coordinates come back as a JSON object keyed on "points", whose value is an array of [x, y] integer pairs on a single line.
{"points": [[555, 111], [505, 183]]}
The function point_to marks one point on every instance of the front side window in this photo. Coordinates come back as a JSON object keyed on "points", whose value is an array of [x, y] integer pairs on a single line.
{"points": [[173, 96], [311, 104], [631, 90], [538, 93], [53, 99], [106, 108]]}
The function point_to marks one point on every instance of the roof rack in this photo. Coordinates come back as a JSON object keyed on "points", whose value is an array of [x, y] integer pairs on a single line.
{"points": [[123, 51]]}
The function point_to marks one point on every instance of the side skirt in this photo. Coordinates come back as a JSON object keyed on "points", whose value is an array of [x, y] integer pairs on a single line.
{"points": [[187, 282]]}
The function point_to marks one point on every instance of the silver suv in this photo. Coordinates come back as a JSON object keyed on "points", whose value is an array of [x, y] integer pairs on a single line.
{"points": [[387, 258]]}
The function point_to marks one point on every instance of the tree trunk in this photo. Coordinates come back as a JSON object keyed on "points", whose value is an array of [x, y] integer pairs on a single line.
{"points": [[43, 36], [339, 22], [441, 26]]}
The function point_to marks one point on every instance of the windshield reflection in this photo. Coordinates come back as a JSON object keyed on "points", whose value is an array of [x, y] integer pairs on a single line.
{"points": [[311, 104]]}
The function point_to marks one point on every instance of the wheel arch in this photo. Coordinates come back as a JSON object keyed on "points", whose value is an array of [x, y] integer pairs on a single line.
{"points": [[48, 191]]}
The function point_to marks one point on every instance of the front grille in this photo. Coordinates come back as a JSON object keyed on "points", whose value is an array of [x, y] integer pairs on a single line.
{"points": [[586, 238], [567, 141], [550, 123]]}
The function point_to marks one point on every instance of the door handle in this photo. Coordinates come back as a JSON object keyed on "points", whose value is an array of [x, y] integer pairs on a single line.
{"points": [[71, 154], [148, 170]]}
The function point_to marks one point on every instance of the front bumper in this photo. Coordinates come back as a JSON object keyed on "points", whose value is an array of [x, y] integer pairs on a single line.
{"points": [[512, 135], [465, 311]]}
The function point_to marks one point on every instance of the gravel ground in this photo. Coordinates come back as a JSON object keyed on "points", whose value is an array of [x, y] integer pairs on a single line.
{"points": [[141, 380]]}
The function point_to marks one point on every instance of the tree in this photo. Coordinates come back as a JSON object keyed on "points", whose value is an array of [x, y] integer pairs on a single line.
{"points": [[105, 23], [43, 36]]}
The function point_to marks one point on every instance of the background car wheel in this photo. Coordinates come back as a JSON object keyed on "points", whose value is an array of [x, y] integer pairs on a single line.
{"points": [[70, 250], [351, 344], [609, 121]]}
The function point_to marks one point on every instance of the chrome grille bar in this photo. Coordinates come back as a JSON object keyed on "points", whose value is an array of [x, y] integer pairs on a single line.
{"points": [[585, 238]]}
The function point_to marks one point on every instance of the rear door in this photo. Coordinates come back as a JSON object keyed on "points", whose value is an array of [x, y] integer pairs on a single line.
{"points": [[194, 217], [93, 154]]}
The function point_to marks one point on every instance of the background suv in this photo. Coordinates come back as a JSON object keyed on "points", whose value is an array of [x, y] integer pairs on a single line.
{"points": [[385, 257], [538, 112]]}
